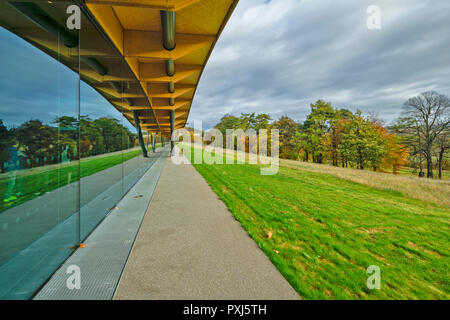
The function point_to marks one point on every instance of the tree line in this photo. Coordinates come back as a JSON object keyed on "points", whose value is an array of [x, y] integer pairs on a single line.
{"points": [[343, 138], [35, 143]]}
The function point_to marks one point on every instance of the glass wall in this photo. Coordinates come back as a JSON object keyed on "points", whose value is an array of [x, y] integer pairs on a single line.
{"points": [[68, 152]]}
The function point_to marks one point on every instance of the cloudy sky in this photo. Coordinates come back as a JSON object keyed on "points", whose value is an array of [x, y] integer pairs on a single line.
{"points": [[278, 56], [274, 56]]}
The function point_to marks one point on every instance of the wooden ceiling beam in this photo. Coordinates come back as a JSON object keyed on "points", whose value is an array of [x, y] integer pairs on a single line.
{"points": [[156, 72], [152, 47], [172, 5], [137, 108], [118, 95], [178, 92], [177, 105], [110, 76]]}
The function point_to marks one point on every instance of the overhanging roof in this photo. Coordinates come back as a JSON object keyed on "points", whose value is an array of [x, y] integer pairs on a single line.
{"points": [[133, 30]]}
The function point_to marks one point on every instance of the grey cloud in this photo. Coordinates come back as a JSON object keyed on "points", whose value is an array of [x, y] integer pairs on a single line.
{"points": [[279, 56]]}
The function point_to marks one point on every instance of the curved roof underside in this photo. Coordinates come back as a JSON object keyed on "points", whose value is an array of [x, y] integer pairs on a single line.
{"points": [[126, 37]]}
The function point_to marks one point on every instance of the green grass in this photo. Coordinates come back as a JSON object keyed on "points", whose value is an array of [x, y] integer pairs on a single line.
{"points": [[327, 231], [30, 186]]}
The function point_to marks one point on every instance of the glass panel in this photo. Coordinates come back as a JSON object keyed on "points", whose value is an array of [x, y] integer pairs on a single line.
{"points": [[133, 155], [102, 143], [38, 148], [69, 150]]}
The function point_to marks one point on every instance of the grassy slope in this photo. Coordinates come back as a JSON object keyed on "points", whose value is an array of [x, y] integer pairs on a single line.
{"points": [[327, 231], [430, 190], [31, 186]]}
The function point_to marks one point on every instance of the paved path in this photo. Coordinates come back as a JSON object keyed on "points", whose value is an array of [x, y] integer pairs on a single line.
{"points": [[190, 247]]}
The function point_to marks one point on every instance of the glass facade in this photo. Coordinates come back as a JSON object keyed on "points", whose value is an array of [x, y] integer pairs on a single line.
{"points": [[68, 152]]}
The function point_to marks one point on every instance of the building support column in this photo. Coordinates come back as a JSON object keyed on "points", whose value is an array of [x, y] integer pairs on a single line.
{"points": [[153, 141], [172, 129], [139, 132]]}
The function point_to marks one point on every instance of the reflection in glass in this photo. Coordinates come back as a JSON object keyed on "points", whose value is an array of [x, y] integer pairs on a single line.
{"points": [[69, 150], [39, 155], [102, 143]]}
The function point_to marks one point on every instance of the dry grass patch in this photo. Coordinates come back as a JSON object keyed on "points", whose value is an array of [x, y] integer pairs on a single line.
{"points": [[435, 191]]}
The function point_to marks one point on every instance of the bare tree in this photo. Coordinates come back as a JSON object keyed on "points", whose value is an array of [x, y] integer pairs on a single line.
{"points": [[443, 144], [429, 112]]}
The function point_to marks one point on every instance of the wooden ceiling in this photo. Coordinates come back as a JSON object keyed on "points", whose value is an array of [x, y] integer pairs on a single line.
{"points": [[134, 27]]}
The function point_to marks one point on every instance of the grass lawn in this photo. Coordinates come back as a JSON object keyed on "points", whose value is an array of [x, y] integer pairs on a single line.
{"points": [[327, 230], [31, 186]]}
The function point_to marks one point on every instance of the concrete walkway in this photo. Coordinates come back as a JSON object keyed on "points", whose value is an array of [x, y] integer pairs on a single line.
{"points": [[190, 247]]}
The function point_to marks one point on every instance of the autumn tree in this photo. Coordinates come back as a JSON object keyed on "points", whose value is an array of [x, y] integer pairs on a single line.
{"points": [[409, 133], [397, 154], [335, 132], [287, 132], [362, 144], [317, 124], [246, 121]]}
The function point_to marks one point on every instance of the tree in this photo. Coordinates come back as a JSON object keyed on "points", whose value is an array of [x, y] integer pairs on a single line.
{"points": [[316, 126], [396, 153], [443, 144], [302, 141], [262, 121], [287, 130], [362, 143], [409, 133], [68, 126], [245, 122], [228, 121], [92, 140], [38, 140], [112, 132], [335, 132], [6, 141], [428, 116]]}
